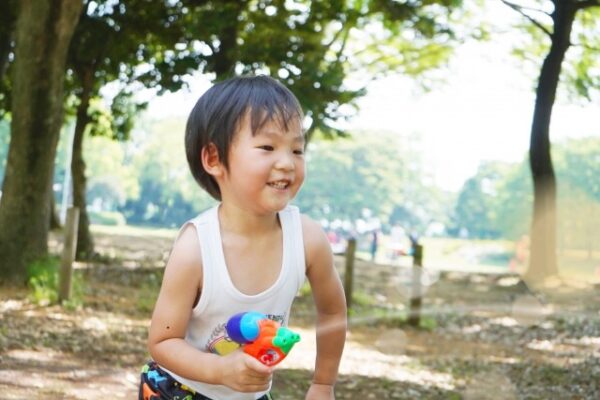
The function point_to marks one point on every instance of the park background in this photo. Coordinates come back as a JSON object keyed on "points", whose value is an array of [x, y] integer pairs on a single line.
{"points": [[420, 120]]}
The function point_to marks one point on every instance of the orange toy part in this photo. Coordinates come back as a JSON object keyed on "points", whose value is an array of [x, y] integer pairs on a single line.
{"points": [[148, 393], [262, 348]]}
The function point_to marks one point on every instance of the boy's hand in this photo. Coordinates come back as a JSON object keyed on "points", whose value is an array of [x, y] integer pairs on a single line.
{"points": [[243, 373], [319, 391]]}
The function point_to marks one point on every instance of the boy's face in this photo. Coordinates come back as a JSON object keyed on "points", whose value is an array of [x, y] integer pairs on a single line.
{"points": [[266, 170]]}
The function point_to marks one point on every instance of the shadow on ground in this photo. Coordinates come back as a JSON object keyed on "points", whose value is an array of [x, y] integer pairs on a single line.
{"points": [[483, 336]]}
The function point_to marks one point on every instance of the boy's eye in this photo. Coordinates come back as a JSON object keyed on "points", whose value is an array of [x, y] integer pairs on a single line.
{"points": [[299, 152], [266, 147]]}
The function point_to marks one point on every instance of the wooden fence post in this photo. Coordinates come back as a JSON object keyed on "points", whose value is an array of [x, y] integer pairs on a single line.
{"points": [[68, 254], [414, 317], [349, 272]]}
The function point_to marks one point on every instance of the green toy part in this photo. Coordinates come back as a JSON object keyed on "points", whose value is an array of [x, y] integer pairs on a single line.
{"points": [[285, 339]]}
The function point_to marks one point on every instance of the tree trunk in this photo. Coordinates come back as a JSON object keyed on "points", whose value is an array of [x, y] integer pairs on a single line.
{"points": [[225, 58], [543, 261], [54, 219], [85, 241], [43, 33]]}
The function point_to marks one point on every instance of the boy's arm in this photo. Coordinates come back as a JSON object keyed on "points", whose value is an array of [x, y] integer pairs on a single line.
{"points": [[330, 304], [166, 340]]}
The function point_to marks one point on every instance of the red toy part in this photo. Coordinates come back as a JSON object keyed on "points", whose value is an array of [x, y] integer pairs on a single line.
{"points": [[262, 348]]}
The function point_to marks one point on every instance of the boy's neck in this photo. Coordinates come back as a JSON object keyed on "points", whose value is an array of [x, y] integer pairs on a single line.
{"points": [[240, 221]]}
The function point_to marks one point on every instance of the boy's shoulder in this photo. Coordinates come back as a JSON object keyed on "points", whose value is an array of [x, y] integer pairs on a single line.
{"points": [[315, 240], [309, 224], [189, 233], [203, 217], [187, 239], [186, 254]]}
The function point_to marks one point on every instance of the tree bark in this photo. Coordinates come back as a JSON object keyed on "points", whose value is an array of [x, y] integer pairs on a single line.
{"points": [[54, 219], [85, 241], [225, 57], [43, 33], [543, 261]]}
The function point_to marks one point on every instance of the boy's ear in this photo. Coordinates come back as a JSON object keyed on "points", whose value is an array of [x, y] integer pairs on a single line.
{"points": [[210, 160]]}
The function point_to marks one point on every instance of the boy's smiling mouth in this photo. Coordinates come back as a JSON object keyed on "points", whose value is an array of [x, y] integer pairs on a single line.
{"points": [[281, 184]]}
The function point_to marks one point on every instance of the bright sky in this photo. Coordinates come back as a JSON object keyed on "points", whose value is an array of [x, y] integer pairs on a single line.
{"points": [[482, 112]]}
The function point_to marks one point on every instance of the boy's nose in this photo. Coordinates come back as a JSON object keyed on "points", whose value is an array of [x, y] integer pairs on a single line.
{"points": [[285, 162]]}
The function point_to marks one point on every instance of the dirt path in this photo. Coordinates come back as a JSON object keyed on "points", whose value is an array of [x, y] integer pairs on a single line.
{"points": [[30, 374], [478, 345]]}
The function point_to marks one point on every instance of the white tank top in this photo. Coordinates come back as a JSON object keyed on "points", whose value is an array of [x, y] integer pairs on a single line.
{"points": [[220, 299]]}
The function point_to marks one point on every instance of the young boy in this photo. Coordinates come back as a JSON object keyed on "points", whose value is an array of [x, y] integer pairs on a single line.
{"points": [[245, 146]]}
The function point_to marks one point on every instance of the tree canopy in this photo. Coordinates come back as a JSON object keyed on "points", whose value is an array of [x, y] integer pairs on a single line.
{"points": [[322, 50], [304, 44]]}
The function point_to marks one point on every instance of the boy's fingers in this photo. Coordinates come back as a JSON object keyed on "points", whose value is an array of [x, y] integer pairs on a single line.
{"points": [[255, 388], [258, 367]]}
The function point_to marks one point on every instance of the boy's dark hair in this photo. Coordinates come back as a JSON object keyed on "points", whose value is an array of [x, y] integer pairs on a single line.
{"points": [[216, 117]]}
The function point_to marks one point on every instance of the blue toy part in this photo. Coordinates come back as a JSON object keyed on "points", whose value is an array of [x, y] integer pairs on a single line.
{"points": [[155, 377], [243, 328]]}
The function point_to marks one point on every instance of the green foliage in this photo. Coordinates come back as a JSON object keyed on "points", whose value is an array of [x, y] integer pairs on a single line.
{"points": [[8, 13], [101, 118], [497, 201], [118, 43], [113, 218], [362, 299], [578, 166], [43, 280], [313, 46], [305, 290], [148, 182], [106, 192], [514, 203], [288, 41], [578, 163], [168, 193], [428, 323], [112, 177], [148, 292], [411, 38], [378, 171], [580, 71], [475, 211]]}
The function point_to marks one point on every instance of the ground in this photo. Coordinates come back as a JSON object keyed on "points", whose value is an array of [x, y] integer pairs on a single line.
{"points": [[482, 336]]}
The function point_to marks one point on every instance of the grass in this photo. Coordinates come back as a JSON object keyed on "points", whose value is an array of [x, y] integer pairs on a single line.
{"points": [[43, 280], [147, 294]]}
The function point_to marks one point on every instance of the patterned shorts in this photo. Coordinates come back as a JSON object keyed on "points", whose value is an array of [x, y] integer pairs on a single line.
{"points": [[156, 384]]}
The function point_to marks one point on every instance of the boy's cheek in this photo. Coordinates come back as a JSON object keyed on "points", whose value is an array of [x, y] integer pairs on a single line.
{"points": [[301, 176]]}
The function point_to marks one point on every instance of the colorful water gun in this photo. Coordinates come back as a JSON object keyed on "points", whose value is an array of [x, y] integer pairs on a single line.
{"points": [[261, 337]]}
